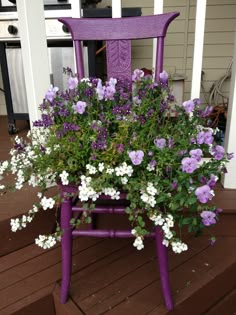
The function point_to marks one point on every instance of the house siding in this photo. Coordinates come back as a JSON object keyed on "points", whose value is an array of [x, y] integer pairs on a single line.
{"points": [[218, 43]]}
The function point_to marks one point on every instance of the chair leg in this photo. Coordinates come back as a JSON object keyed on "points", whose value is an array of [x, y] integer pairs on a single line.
{"points": [[162, 256], [66, 247]]}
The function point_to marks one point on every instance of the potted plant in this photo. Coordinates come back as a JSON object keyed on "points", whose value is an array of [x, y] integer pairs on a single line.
{"points": [[117, 137]]}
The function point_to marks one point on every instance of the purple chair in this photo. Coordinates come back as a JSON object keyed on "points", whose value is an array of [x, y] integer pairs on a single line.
{"points": [[118, 34]]}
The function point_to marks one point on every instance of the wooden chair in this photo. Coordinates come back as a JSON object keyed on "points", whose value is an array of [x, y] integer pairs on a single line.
{"points": [[118, 34]]}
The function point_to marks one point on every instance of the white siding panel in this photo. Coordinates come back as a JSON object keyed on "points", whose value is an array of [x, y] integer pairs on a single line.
{"points": [[214, 38], [216, 12], [212, 63], [216, 25]]}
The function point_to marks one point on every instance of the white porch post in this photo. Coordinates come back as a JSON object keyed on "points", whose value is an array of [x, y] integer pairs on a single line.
{"points": [[229, 179], [158, 9], [198, 48], [116, 9], [34, 53], [75, 8]]}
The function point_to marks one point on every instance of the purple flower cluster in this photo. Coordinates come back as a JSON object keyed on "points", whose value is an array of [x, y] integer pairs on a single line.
{"points": [[45, 121], [204, 193], [80, 107], [218, 152], [208, 217], [189, 106], [51, 93], [196, 154], [205, 137], [101, 140], [160, 143], [189, 165], [136, 157], [137, 75], [72, 83]]}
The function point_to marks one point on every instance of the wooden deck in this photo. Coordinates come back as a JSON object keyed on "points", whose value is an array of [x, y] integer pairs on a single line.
{"points": [[109, 275]]}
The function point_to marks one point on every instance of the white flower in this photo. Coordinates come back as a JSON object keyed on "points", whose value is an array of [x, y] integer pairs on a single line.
{"points": [[165, 242], [2, 186], [47, 203], [101, 167], [124, 180], [64, 178], [168, 235], [159, 220], [138, 243], [91, 169], [150, 167], [170, 221], [110, 170], [178, 247], [45, 241], [151, 189]]}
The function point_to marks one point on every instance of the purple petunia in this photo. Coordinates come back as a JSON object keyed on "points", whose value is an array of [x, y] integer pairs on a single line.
{"points": [[205, 137], [100, 90], [208, 217], [213, 179], [137, 75], [136, 157], [218, 152], [188, 106], [164, 77], [189, 165], [196, 154], [160, 143], [72, 83], [80, 107], [204, 193], [208, 138], [51, 93], [109, 92]]}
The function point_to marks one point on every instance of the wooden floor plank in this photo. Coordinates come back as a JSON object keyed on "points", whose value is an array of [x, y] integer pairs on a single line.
{"points": [[134, 281], [227, 305], [29, 299], [43, 260], [52, 273], [192, 276]]}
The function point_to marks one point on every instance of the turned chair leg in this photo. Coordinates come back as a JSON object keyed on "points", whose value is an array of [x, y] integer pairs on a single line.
{"points": [[66, 246], [162, 256]]}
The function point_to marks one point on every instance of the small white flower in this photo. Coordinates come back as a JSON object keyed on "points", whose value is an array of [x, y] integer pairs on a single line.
{"points": [[138, 243], [101, 167], [124, 180], [165, 242], [64, 178], [110, 170], [47, 203], [91, 169]]}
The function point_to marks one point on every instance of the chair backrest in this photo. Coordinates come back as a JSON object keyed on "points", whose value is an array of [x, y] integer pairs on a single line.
{"points": [[118, 34]]}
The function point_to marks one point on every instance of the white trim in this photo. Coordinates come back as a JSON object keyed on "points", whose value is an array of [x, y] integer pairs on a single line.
{"points": [[229, 179], [198, 48], [158, 9], [34, 53], [116, 8]]}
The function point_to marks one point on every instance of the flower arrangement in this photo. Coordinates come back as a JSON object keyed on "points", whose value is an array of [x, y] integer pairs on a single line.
{"points": [[113, 137]]}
